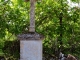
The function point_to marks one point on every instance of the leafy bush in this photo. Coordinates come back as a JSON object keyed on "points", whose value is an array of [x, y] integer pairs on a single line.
{"points": [[11, 49]]}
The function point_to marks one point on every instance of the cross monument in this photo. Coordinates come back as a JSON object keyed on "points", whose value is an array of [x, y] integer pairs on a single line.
{"points": [[31, 43]]}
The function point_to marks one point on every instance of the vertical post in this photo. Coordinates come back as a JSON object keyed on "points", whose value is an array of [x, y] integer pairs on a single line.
{"points": [[31, 43], [32, 16]]}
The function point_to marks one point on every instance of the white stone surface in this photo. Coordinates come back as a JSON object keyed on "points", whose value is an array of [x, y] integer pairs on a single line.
{"points": [[30, 49]]}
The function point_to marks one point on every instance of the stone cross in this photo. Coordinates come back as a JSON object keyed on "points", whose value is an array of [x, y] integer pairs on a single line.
{"points": [[31, 43], [32, 16]]}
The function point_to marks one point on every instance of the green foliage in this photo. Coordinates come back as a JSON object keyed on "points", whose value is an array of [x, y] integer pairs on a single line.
{"points": [[75, 1], [64, 36], [11, 49]]}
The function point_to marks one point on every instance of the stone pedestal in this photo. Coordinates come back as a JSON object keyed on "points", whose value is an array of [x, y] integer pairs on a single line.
{"points": [[30, 46]]}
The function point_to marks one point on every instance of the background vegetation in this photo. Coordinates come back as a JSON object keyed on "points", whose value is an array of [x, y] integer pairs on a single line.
{"points": [[55, 19]]}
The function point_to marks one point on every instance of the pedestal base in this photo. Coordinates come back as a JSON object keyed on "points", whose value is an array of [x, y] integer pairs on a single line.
{"points": [[30, 46], [31, 50]]}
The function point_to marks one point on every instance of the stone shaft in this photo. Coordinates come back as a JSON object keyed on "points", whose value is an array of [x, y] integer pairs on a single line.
{"points": [[32, 16]]}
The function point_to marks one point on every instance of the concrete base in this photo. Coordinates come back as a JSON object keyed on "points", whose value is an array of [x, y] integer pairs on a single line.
{"points": [[30, 49]]}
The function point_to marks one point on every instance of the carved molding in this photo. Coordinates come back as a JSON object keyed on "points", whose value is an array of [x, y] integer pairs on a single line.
{"points": [[30, 36]]}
